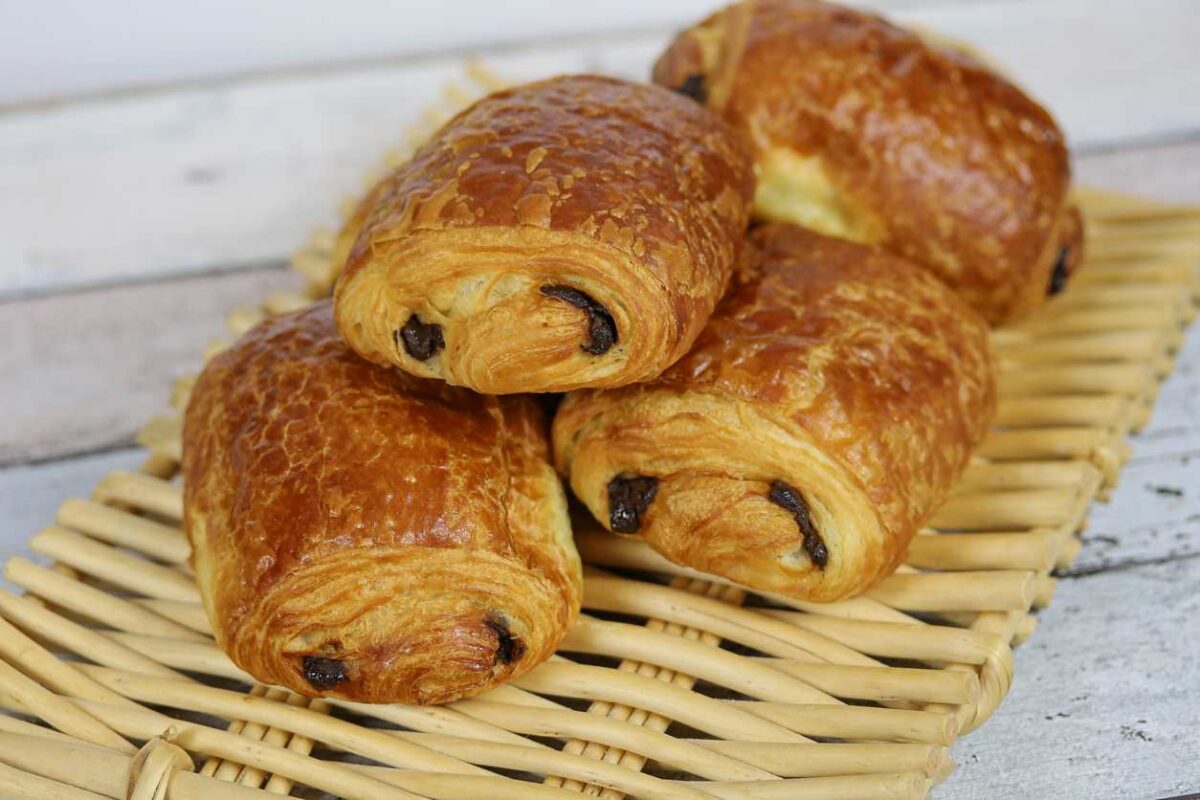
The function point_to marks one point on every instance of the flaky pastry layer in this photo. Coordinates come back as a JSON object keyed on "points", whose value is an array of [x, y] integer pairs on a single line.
{"points": [[821, 418], [869, 132], [361, 533], [572, 232]]}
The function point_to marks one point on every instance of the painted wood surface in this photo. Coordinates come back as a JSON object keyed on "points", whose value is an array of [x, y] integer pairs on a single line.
{"points": [[160, 211], [232, 173], [86, 368]]}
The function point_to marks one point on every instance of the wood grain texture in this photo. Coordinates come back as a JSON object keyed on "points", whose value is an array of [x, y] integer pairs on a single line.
{"points": [[86, 370], [239, 172], [229, 174], [1104, 702], [31, 494]]}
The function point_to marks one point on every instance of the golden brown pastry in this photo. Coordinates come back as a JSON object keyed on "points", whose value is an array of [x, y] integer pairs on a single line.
{"points": [[867, 132], [360, 533], [573, 232], [821, 418]]}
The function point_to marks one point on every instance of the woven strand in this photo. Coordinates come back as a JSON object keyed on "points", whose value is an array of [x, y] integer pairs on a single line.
{"points": [[115, 625]]}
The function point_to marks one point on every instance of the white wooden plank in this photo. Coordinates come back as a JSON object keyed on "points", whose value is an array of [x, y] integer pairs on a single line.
{"points": [[227, 174], [86, 370], [54, 48], [1169, 171], [1104, 704], [85, 373], [1154, 513], [31, 494]]}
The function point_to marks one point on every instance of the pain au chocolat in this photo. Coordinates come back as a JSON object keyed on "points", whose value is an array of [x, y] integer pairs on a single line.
{"points": [[572, 232], [364, 534], [820, 419], [868, 132]]}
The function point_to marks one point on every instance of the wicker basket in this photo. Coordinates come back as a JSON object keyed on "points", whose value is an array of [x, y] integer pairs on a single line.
{"points": [[672, 684]]}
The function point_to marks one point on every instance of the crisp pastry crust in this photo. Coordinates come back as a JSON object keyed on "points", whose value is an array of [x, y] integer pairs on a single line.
{"points": [[572, 232], [364, 534], [820, 419], [871, 133]]}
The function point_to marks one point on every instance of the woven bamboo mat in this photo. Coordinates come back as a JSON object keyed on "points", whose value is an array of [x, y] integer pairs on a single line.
{"points": [[671, 685]]}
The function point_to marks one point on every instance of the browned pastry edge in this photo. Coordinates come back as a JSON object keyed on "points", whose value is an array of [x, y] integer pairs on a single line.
{"points": [[868, 132], [821, 418], [572, 232], [364, 534]]}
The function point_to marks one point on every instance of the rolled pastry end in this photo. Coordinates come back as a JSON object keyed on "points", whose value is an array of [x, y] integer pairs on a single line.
{"points": [[717, 488], [405, 627], [523, 310]]}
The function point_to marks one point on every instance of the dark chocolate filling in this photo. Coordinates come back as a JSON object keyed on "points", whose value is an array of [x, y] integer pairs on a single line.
{"points": [[1058, 277], [628, 499], [695, 87], [420, 339], [508, 647], [324, 673], [602, 331], [788, 497]]}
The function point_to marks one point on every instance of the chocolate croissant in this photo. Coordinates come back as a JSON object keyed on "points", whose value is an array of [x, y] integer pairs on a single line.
{"points": [[820, 420], [867, 132], [573, 232], [363, 534]]}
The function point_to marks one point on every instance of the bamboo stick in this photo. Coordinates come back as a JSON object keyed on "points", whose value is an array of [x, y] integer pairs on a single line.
{"points": [[18, 785], [1058, 379], [282, 302], [397, 747], [890, 640], [54, 674], [229, 770], [1061, 442], [141, 723], [162, 437], [189, 615], [719, 717], [1117, 346], [1110, 318], [141, 491], [997, 510], [607, 592], [1000, 475], [857, 722], [181, 391], [1016, 550], [720, 667], [698, 711], [882, 684], [982, 590], [316, 266], [454, 787], [564, 724], [587, 770], [829, 759], [175, 693], [1104, 411], [303, 745], [90, 602], [121, 528], [601, 548], [73, 637], [639, 717], [119, 569], [206, 658], [242, 319], [56, 711]]}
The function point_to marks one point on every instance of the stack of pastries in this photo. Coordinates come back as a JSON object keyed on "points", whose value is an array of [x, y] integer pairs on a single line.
{"points": [[764, 284]]}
